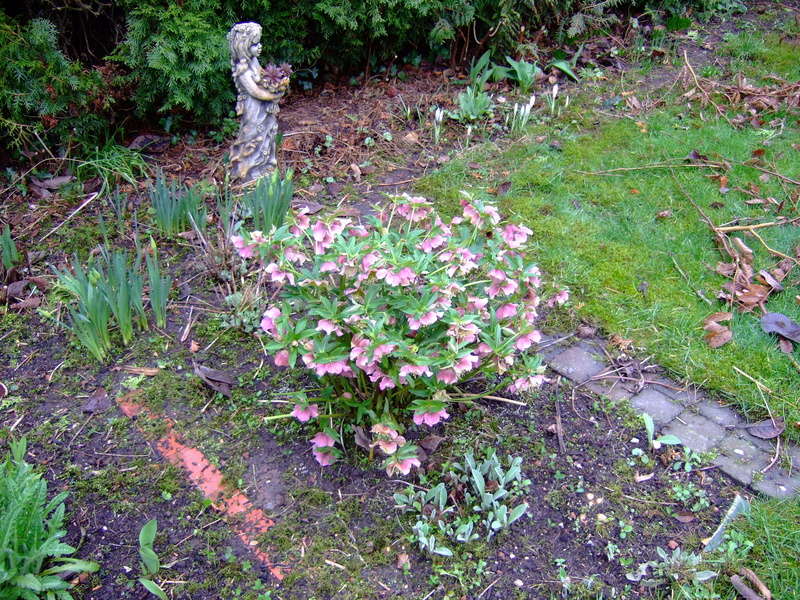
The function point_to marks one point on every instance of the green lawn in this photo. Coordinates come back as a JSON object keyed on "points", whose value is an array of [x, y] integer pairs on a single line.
{"points": [[601, 236]]}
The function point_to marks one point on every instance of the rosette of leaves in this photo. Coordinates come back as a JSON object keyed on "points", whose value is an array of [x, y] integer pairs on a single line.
{"points": [[394, 315], [33, 560]]}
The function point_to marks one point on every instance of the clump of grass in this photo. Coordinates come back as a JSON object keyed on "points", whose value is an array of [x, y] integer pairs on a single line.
{"points": [[30, 534], [268, 202], [112, 286], [8, 249], [176, 208], [159, 286]]}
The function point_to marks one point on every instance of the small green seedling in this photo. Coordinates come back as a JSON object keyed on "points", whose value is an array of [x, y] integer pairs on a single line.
{"points": [[662, 440], [150, 562]]}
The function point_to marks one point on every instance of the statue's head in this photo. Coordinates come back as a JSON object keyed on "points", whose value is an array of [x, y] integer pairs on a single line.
{"points": [[245, 41]]}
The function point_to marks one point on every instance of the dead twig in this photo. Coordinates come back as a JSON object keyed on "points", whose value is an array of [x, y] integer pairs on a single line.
{"points": [[744, 590], [703, 90]]}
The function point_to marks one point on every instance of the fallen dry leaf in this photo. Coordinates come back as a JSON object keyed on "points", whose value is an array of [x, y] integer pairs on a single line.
{"points": [[685, 517], [716, 334], [194, 346], [766, 429], [218, 381], [431, 442], [402, 561], [664, 214], [641, 478], [97, 402], [785, 345], [782, 325]]}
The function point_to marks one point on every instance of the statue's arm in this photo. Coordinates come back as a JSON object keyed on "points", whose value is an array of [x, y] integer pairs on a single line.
{"points": [[256, 91]]}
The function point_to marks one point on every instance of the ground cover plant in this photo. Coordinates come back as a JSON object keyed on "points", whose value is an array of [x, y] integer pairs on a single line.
{"points": [[32, 555], [493, 490]]}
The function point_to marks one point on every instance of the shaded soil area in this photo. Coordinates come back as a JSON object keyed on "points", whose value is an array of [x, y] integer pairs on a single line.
{"points": [[600, 501]]}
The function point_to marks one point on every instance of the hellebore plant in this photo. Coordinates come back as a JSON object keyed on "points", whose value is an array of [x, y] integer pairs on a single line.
{"points": [[391, 316]]}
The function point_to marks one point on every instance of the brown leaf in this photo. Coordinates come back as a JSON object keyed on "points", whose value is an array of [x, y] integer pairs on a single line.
{"points": [[685, 516], [431, 442], [640, 478], [218, 381], [723, 185], [725, 269], [32, 302], [97, 402], [766, 429], [782, 325], [402, 561], [767, 278], [664, 214], [717, 335], [695, 156], [361, 438], [785, 345], [3, 390], [503, 188], [758, 152], [193, 346]]}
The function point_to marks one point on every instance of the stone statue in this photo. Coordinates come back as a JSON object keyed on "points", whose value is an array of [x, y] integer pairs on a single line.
{"points": [[253, 154]]}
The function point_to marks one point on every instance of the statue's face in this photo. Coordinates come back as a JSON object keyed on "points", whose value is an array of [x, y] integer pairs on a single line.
{"points": [[255, 49]]}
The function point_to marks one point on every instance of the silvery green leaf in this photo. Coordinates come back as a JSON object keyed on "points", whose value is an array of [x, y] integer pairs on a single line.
{"points": [[517, 512], [669, 440], [704, 575]]}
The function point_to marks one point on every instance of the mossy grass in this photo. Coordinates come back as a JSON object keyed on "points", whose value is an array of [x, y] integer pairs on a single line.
{"points": [[602, 236]]}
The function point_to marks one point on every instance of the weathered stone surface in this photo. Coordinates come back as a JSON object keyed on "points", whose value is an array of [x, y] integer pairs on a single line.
{"points": [[695, 431], [778, 484], [610, 388], [657, 405], [577, 364], [721, 415], [740, 459]]}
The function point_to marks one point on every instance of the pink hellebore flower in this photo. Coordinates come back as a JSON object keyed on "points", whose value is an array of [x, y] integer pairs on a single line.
{"points": [[560, 298], [278, 276], [527, 340], [447, 376], [501, 284], [302, 222], [329, 327], [429, 318], [268, 320], [492, 213], [282, 358], [325, 459], [516, 235], [430, 418], [292, 254], [359, 232], [471, 214], [387, 439], [329, 267], [244, 250], [304, 414], [383, 350], [415, 370], [402, 466], [526, 383], [466, 363], [428, 245], [506, 311], [322, 440]]}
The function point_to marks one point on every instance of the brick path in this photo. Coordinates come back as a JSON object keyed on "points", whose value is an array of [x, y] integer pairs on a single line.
{"points": [[699, 421]]}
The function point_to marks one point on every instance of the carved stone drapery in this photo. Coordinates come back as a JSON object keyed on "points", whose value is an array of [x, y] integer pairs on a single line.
{"points": [[253, 154]]}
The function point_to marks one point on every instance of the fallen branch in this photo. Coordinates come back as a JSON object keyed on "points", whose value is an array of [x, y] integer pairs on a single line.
{"points": [[704, 92]]}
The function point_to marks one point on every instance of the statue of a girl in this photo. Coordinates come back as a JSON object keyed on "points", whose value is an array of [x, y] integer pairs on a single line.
{"points": [[259, 90]]}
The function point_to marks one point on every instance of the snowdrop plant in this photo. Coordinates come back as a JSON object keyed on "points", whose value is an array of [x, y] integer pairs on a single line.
{"points": [[393, 314]]}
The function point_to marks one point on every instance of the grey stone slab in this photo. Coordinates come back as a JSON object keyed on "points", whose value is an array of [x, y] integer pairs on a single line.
{"points": [[721, 415], [657, 405], [740, 459], [777, 483], [695, 431], [610, 388], [577, 364]]}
